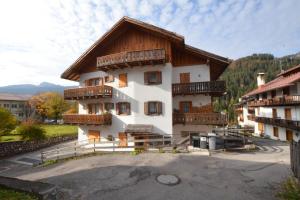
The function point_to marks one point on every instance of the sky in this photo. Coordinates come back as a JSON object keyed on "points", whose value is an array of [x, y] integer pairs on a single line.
{"points": [[39, 39]]}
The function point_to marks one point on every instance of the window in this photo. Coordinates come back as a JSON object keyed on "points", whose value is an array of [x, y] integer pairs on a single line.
{"points": [[123, 108], [109, 79], [6, 105], [153, 108], [94, 82], [184, 77], [95, 108], [21, 105], [108, 106], [122, 80], [152, 78], [185, 106], [275, 131], [273, 93], [14, 105]]}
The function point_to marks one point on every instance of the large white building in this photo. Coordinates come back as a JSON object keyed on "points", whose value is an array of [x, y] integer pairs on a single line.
{"points": [[139, 80], [274, 106]]}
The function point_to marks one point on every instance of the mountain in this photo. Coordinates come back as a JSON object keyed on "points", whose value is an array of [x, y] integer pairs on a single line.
{"points": [[241, 75], [33, 89]]}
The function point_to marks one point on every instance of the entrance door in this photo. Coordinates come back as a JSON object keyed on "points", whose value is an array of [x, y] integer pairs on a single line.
{"points": [[184, 77], [123, 139], [288, 113], [94, 136], [261, 128], [289, 135]]}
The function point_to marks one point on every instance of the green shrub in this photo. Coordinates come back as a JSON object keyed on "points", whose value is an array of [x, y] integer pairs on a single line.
{"points": [[30, 131], [136, 152], [8, 121], [290, 190]]}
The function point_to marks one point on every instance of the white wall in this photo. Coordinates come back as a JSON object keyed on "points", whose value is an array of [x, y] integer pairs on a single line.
{"points": [[198, 73], [197, 100], [136, 93]]}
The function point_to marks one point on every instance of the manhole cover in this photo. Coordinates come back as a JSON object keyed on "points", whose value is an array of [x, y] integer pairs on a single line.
{"points": [[168, 179], [29, 160]]}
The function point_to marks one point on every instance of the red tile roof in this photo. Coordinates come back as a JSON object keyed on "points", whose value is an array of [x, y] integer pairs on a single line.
{"points": [[279, 82]]}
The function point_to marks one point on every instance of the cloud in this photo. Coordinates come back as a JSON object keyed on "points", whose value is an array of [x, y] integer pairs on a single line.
{"points": [[39, 39]]}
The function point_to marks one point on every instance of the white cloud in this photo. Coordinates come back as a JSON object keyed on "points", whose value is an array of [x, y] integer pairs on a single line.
{"points": [[39, 39]]}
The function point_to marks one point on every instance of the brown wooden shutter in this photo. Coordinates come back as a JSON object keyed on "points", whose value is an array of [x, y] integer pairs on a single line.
{"points": [[146, 79], [159, 107], [146, 108], [122, 80], [159, 80]]}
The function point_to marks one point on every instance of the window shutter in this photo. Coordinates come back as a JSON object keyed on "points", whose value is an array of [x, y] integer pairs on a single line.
{"points": [[118, 108], [159, 80], [122, 80], [159, 107], [128, 108], [146, 109], [146, 81]]}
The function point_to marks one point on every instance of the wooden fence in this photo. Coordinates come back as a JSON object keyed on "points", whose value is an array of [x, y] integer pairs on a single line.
{"points": [[94, 145], [295, 158]]}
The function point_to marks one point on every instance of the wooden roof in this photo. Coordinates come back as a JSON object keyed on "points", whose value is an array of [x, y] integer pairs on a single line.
{"points": [[173, 43]]}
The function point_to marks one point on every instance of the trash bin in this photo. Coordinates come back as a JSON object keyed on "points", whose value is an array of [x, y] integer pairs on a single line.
{"points": [[203, 142], [212, 140], [196, 141]]}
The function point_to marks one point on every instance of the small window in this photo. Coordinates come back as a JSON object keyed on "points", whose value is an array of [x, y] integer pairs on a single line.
{"points": [[153, 108], [152, 78], [123, 108], [122, 80], [109, 79], [108, 107]]}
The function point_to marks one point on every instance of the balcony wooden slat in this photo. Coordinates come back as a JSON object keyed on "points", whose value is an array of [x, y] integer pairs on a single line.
{"points": [[199, 118], [132, 58], [290, 124], [88, 92], [208, 87], [276, 101], [104, 119]]}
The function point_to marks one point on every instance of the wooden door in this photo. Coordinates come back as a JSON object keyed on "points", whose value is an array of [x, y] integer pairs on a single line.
{"points": [[123, 139], [289, 135], [94, 135], [275, 131], [185, 106], [184, 77], [261, 128], [288, 113]]}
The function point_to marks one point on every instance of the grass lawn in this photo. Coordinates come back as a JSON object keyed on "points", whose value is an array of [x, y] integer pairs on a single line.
{"points": [[9, 194], [51, 131]]}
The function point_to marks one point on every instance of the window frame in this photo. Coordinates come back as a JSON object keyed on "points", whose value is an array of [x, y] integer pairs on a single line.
{"points": [[158, 77], [127, 108], [158, 108]]}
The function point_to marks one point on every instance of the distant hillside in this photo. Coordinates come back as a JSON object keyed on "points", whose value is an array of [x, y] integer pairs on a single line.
{"points": [[240, 76], [32, 89]]}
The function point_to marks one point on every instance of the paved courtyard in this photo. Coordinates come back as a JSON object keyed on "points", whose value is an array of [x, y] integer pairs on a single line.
{"points": [[223, 175]]}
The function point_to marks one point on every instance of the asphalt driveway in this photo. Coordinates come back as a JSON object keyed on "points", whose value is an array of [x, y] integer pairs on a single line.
{"points": [[224, 175]]}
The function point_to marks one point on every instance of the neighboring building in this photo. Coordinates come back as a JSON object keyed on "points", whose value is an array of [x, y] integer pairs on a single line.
{"points": [[140, 80], [244, 114], [16, 104], [276, 105]]}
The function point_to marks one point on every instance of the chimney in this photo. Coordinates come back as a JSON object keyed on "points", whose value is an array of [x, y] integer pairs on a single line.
{"points": [[260, 79]]}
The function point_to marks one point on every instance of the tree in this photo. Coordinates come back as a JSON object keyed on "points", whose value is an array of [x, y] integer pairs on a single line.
{"points": [[8, 121], [56, 106], [49, 104]]}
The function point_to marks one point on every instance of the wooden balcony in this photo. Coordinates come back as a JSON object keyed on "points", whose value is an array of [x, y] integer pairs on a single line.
{"points": [[215, 88], [276, 101], [89, 92], [200, 119], [290, 124], [130, 59], [81, 119]]}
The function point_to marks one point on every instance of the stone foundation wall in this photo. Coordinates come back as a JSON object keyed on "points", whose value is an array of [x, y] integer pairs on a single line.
{"points": [[12, 148]]}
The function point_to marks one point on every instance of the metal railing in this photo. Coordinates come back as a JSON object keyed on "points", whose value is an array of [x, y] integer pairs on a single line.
{"points": [[79, 148], [88, 92], [208, 87]]}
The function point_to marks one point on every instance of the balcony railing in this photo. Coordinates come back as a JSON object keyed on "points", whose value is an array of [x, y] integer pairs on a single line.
{"points": [[104, 119], [88, 92], [276, 101], [199, 118], [290, 124], [210, 87], [132, 58]]}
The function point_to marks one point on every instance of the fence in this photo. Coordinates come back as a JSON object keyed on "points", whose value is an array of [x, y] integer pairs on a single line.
{"points": [[295, 158], [94, 145]]}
